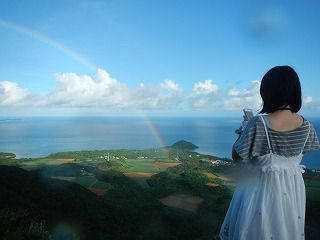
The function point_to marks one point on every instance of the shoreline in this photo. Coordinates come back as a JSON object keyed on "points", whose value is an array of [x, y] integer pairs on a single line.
{"points": [[311, 162]]}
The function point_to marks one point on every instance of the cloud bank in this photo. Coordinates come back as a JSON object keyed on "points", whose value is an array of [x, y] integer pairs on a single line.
{"points": [[204, 94], [104, 91], [11, 94], [244, 98]]}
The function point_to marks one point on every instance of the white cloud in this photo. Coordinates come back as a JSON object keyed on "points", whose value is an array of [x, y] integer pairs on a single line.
{"points": [[204, 94], [102, 91], [152, 97], [169, 85], [310, 102], [205, 88], [105, 91], [11, 94], [86, 91], [246, 98], [233, 92]]}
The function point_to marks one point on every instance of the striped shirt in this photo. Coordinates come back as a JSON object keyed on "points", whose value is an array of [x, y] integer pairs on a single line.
{"points": [[253, 140]]}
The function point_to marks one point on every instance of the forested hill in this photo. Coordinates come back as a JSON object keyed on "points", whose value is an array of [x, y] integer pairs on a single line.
{"points": [[4, 155], [185, 145]]}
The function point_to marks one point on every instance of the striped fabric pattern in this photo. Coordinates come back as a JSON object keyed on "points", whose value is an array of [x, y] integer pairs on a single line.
{"points": [[253, 141]]}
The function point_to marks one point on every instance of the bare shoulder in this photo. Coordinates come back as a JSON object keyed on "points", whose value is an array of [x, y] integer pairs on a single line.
{"points": [[285, 122]]}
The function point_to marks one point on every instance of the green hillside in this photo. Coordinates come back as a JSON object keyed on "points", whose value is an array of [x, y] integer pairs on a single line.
{"points": [[123, 194]]}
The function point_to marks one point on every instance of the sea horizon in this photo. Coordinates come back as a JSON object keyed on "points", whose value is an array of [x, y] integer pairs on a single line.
{"points": [[29, 137]]}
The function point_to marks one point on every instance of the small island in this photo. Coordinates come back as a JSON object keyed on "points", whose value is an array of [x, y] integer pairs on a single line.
{"points": [[185, 145]]}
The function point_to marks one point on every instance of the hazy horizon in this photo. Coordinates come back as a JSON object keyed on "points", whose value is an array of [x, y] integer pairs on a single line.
{"points": [[41, 136]]}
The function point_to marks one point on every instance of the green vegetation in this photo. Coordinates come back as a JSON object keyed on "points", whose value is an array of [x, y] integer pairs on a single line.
{"points": [[312, 182], [85, 181], [102, 185], [7, 155], [7, 158], [157, 153], [116, 194], [141, 165], [16, 225]]}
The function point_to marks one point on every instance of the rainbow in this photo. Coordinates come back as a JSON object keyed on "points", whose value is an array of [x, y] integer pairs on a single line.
{"points": [[49, 41], [156, 133], [77, 57]]}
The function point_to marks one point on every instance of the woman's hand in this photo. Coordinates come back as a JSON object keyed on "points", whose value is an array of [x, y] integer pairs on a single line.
{"points": [[243, 126]]}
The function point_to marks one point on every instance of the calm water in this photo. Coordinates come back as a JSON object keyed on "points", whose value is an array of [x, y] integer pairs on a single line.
{"points": [[33, 137]]}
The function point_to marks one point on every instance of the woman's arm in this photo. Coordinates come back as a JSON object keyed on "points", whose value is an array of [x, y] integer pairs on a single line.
{"points": [[234, 154], [245, 141]]}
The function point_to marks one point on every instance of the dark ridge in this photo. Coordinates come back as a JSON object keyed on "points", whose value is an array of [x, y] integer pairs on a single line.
{"points": [[4, 155]]}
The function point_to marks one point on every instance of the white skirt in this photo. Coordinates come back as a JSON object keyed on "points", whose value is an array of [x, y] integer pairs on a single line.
{"points": [[269, 206]]}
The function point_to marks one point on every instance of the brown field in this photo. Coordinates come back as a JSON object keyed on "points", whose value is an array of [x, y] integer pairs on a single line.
{"points": [[213, 176], [138, 174], [210, 184], [186, 202], [97, 191], [165, 164]]}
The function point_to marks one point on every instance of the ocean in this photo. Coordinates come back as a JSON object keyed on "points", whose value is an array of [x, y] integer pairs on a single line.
{"points": [[40, 136]]}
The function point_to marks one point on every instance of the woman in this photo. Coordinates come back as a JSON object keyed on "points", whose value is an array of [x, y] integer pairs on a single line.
{"points": [[270, 204]]}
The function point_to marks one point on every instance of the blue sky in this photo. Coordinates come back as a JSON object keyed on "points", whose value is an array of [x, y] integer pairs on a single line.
{"points": [[154, 57]]}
